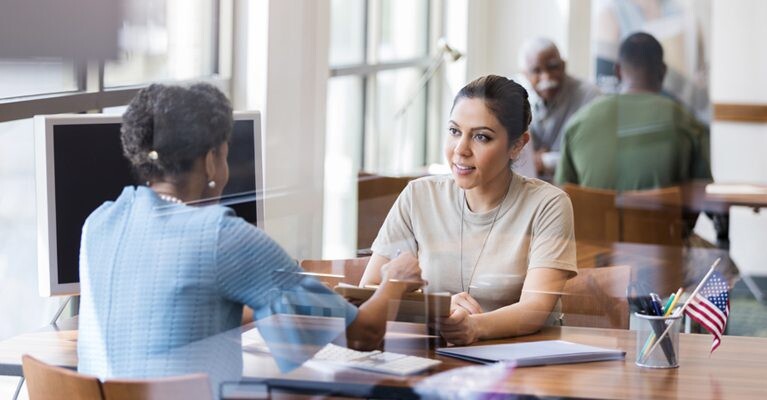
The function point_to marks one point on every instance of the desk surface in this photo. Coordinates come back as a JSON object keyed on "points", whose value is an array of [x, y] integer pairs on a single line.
{"points": [[735, 370], [56, 345], [696, 199]]}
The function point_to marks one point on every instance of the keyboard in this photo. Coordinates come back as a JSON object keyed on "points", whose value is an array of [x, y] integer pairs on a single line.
{"points": [[376, 361]]}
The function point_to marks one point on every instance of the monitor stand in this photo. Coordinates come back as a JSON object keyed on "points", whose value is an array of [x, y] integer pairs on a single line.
{"points": [[60, 310]]}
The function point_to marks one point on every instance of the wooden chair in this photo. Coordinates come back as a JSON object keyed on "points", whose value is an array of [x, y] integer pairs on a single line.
{"points": [[375, 197], [596, 217], [192, 387], [333, 272], [646, 216], [651, 216], [596, 298], [45, 381]]}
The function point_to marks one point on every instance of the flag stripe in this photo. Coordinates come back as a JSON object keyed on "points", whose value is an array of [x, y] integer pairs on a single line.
{"points": [[704, 317], [704, 313], [707, 323], [714, 311]]}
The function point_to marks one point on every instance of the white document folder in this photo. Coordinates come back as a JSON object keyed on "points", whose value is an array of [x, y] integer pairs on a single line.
{"points": [[533, 353]]}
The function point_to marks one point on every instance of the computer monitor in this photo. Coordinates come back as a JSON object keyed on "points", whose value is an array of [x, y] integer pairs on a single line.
{"points": [[80, 165]]}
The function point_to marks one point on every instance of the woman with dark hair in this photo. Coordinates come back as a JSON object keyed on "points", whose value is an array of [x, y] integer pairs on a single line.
{"points": [[160, 278], [502, 243]]}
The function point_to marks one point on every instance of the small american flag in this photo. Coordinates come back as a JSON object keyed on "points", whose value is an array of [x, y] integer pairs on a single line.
{"points": [[711, 306]]}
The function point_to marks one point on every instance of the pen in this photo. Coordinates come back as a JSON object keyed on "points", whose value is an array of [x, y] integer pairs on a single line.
{"points": [[657, 327], [656, 307], [668, 304], [672, 300], [677, 296]]}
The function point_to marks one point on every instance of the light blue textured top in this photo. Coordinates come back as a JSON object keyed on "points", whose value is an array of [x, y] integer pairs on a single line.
{"points": [[163, 285]]}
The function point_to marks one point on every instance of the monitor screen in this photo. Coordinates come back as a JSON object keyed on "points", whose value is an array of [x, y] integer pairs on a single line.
{"points": [[80, 165]]}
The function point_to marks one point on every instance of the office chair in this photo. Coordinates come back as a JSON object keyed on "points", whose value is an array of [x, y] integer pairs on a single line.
{"points": [[333, 272], [186, 387], [45, 381]]}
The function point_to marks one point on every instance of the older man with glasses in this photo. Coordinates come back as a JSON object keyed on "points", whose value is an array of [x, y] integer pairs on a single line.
{"points": [[555, 97]]}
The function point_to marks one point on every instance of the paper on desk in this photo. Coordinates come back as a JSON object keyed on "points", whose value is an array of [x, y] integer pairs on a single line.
{"points": [[528, 354], [252, 341], [735, 188]]}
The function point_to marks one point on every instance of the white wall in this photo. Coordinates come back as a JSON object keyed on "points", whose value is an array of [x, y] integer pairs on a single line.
{"points": [[738, 53], [284, 74], [737, 149], [497, 29]]}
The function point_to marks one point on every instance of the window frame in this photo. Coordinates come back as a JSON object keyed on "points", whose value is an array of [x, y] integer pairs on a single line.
{"points": [[370, 67]]}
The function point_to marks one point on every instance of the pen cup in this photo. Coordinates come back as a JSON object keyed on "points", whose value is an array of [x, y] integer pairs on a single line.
{"points": [[651, 354]]}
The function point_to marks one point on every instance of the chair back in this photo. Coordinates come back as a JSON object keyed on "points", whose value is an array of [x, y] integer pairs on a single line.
{"points": [[186, 387], [645, 216], [596, 298], [652, 216], [596, 217], [45, 381], [333, 272], [375, 197]]}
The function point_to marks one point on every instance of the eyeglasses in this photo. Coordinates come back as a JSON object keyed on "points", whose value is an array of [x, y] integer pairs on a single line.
{"points": [[549, 67]]}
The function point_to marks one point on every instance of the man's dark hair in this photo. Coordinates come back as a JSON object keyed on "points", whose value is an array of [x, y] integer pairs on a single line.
{"points": [[506, 99], [166, 128], [643, 55]]}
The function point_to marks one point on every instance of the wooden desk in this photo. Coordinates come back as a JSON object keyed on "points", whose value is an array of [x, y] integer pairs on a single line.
{"points": [[696, 199], [56, 345], [736, 370], [717, 206]]}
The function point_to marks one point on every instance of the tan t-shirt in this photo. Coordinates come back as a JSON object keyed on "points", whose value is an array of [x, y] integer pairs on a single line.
{"points": [[533, 229]]}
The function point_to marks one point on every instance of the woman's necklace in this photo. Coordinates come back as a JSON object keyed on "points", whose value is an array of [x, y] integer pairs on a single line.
{"points": [[484, 242], [170, 199]]}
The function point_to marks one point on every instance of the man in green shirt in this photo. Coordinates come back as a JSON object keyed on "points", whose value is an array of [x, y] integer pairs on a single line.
{"points": [[638, 139]]}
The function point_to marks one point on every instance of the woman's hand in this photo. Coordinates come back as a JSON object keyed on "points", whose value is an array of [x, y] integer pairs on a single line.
{"points": [[398, 276], [404, 269], [460, 328], [465, 301]]}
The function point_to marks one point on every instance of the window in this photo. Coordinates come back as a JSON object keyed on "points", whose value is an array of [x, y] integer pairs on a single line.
{"points": [[18, 249], [385, 44], [36, 76], [403, 30], [377, 114]]}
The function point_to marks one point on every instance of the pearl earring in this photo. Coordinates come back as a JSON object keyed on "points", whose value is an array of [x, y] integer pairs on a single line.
{"points": [[212, 184]]}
